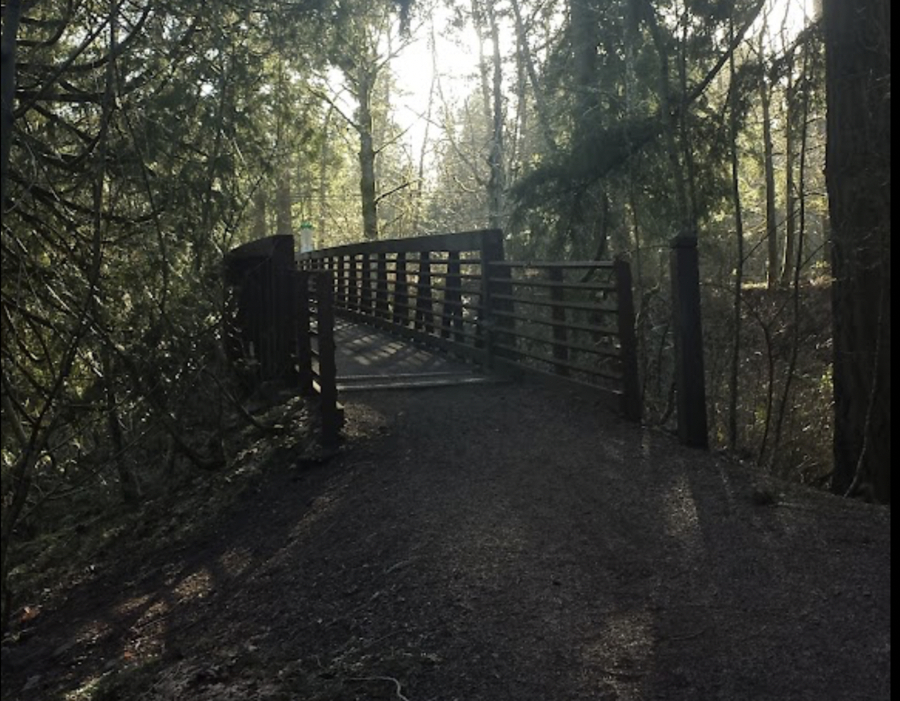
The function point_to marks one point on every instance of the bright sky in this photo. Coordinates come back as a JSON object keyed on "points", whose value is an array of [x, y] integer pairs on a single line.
{"points": [[457, 53], [457, 66]]}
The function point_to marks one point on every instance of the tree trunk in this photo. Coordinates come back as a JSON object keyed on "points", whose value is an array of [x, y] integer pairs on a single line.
{"points": [[11, 17], [485, 20], [131, 489], [420, 179], [684, 268], [259, 213], [772, 267], [733, 436], [367, 155], [496, 183], [858, 174], [283, 218], [790, 228], [322, 234], [540, 103]]}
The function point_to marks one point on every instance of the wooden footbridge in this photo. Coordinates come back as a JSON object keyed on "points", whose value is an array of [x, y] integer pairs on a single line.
{"points": [[426, 312]]}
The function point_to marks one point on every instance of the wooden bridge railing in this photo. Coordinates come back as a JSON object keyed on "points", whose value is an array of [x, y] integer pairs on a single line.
{"points": [[568, 319], [574, 321], [280, 323], [428, 289]]}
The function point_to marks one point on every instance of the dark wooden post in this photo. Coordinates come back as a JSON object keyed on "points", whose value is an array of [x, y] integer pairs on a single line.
{"points": [[331, 418], [343, 299], [353, 282], [690, 384], [381, 287], [631, 395], [492, 251], [558, 314], [401, 291], [424, 301], [452, 311], [366, 293], [304, 340]]}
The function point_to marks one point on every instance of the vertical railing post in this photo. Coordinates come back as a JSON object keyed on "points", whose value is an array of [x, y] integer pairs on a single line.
{"points": [[401, 291], [690, 384], [300, 294], [631, 395], [558, 314], [452, 312], [381, 287], [491, 252], [424, 301], [281, 319], [353, 284], [366, 292], [344, 282], [331, 418]]}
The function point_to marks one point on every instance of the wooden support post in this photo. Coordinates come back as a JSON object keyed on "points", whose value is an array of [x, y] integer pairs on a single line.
{"points": [[353, 282], [558, 313], [401, 292], [366, 292], [451, 314], [631, 390], [492, 251], [424, 301], [344, 282], [304, 339], [331, 416], [690, 384], [381, 287]]}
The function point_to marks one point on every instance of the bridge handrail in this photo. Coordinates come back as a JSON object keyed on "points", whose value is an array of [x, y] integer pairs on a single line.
{"points": [[455, 242], [458, 293]]}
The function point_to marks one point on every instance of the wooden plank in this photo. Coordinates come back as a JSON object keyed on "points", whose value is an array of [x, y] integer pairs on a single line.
{"points": [[589, 286], [613, 353], [493, 313], [462, 242], [601, 264], [365, 303], [381, 287], [279, 247], [424, 307], [304, 339], [599, 330], [331, 418], [422, 337], [353, 281], [452, 308], [557, 300], [513, 351], [401, 291]]}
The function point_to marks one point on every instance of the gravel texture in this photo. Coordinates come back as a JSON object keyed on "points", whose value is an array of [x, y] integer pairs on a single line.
{"points": [[489, 542]]}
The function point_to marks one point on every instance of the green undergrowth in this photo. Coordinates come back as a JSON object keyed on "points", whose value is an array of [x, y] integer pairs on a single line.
{"points": [[95, 529]]}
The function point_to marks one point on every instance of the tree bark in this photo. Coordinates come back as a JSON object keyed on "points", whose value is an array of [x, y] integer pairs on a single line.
{"points": [[772, 267], [858, 175], [283, 215], [540, 102], [11, 17], [790, 224], [367, 155], [733, 435]]}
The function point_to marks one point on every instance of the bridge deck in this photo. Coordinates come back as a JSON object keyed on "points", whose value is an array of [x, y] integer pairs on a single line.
{"points": [[368, 358]]}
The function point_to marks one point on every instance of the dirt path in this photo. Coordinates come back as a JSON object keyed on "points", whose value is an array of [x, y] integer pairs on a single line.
{"points": [[492, 542]]}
